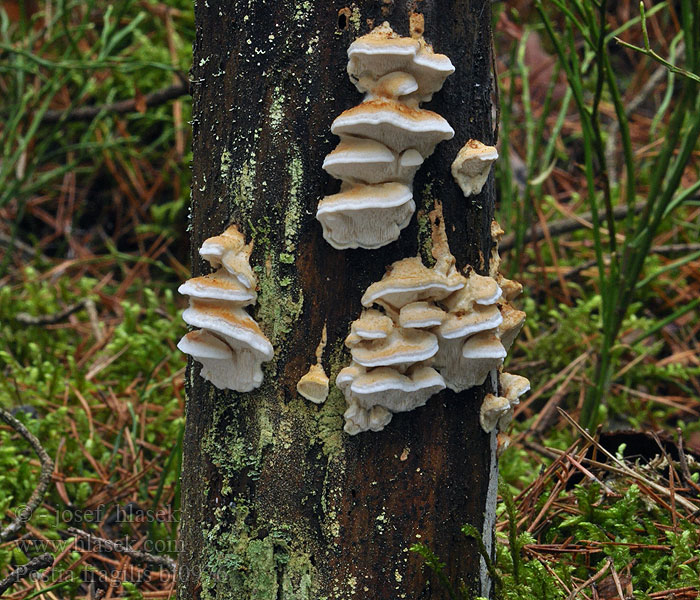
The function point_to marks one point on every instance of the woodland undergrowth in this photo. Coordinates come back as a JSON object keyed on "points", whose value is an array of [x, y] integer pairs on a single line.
{"points": [[599, 196]]}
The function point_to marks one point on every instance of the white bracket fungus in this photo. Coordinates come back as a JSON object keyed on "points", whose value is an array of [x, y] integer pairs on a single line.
{"points": [[434, 328], [498, 410], [472, 165], [383, 140], [426, 329], [230, 345]]}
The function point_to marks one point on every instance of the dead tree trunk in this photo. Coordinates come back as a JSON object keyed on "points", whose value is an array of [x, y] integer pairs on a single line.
{"points": [[278, 502]]}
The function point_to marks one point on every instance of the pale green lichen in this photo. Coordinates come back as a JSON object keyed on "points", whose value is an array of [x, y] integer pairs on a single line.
{"points": [[355, 19], [240, 563], [226, 161], [277, 109], [302, 11], [292, 216], [243, 189], [279, 308]]}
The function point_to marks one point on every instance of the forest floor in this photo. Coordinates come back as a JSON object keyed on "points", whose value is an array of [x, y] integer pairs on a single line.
{"points": [[93, 217]]}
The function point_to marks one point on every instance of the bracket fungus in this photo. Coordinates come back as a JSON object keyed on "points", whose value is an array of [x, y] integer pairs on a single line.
{"points": [[230, 345], [498, 410], [383, 140], [426, 329], [472, 165]]}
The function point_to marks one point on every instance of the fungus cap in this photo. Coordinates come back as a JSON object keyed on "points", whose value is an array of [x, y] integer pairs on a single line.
{"points": [[484, 345], [219, 285], [359, 419], [314, 384], [230, 251], [201, 344], [421, 314], [358, 160], [232, 322], [401, 347], [241, 333], [513, 321], [472, 165], [478, 289], [409, 280], [393, 85], [511, 289], [372, 325], [366, 216], [213, 354], [514, 386], [347, 375], [463, 324], [231, 240], [493, 408], [383, 51], [387, 387], [395, 125]]}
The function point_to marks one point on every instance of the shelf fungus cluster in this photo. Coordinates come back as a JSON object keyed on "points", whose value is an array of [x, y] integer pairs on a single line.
{"points": [[423, 330], [229, 343], [383, 140]]}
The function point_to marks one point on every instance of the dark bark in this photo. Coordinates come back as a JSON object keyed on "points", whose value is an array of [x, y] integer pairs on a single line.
{"points": [[278, 502]]}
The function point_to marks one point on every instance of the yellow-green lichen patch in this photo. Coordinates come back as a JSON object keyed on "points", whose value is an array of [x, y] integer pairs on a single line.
{"points": [[238, 562], [243, 189], [302, 11], [279, 306], [330, 422], [277, 110], [355, 19], [226, 161], [292, 215], [330, 414], [241, 455]]}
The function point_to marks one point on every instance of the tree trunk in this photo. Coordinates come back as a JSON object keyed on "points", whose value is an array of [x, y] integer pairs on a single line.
{"points": [[278, 502]]}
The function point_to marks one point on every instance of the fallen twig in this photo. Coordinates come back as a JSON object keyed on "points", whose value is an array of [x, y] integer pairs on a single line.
{"points": [[40, 562], [98, 543], [28, 319], [44, 478], [590, 580], [87, 113], [562, 226], [665, 250]]}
